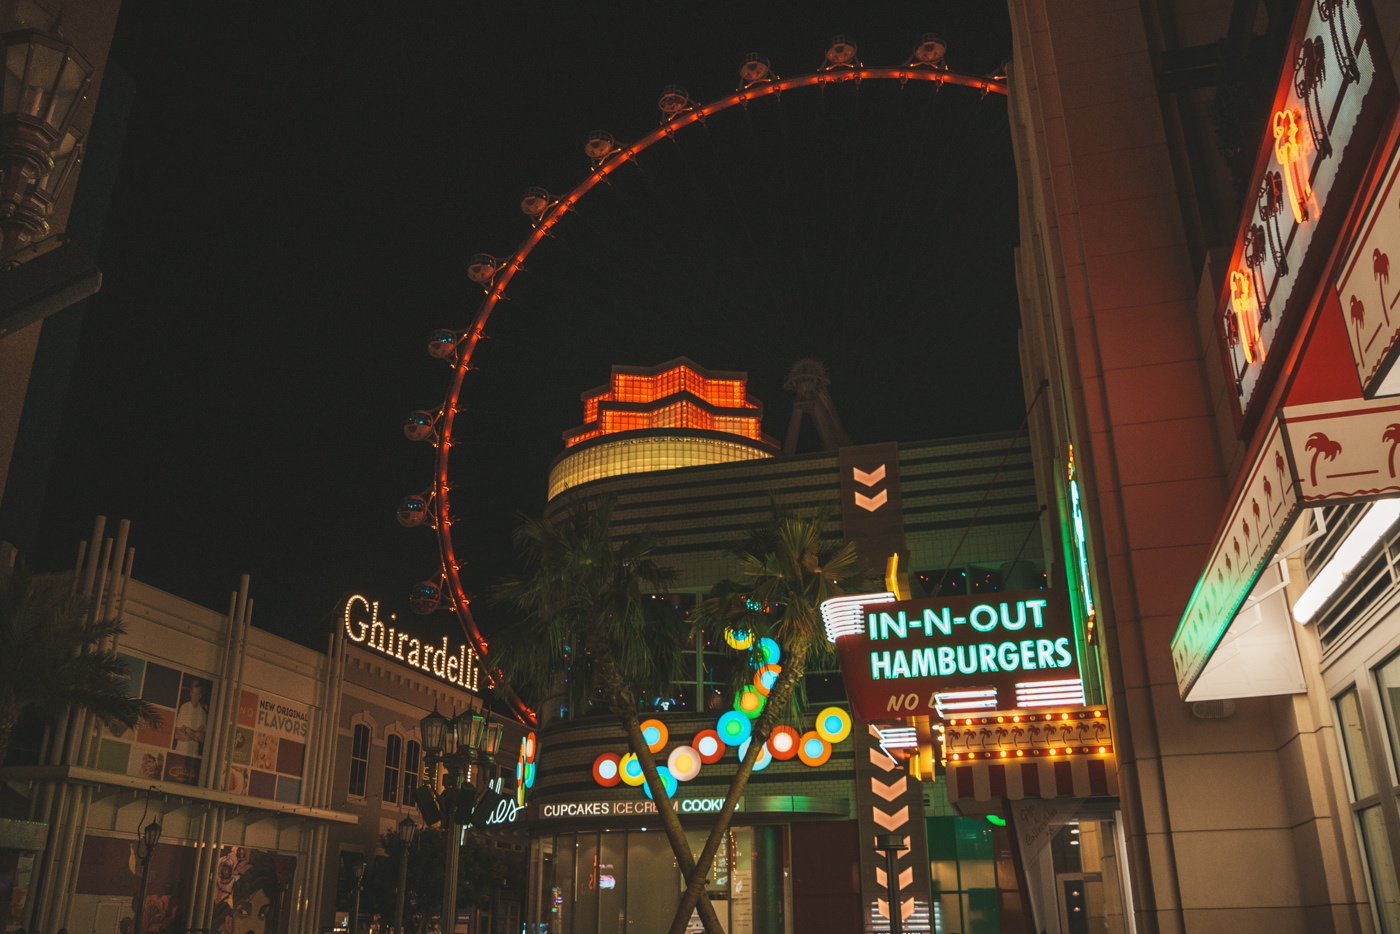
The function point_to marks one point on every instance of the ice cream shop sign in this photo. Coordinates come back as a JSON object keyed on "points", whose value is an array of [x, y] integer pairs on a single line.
{"points": [[455, 664]]}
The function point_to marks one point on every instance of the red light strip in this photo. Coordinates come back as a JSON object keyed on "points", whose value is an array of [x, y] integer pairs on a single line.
{"points": [[548, 219]]}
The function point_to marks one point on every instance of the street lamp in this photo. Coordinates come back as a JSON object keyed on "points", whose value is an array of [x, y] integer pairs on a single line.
{"points": [[408, 831], [891, 845], [145, 846], [358, 870], [466, 740], [43, 79]]}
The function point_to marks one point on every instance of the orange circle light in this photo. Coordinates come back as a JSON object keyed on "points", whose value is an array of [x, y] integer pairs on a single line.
{"points": [[654, 734]]}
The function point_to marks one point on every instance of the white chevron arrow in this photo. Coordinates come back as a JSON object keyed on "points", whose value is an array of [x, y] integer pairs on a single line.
{"points": [[888, 792], [872, 503], [906, 908], [891, 821], [880, 759], [869, 479]]}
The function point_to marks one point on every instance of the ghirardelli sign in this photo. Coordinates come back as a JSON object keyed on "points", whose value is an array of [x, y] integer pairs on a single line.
{"points": [[1017, 644]]}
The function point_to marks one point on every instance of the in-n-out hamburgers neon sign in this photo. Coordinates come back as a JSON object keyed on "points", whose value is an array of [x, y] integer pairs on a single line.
{"points": [[453, 664]]}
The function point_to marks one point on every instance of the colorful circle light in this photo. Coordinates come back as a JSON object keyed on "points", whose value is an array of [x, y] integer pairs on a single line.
{"points": [[833, 724], [631, 770], [783, 742], [768, 650], [708, 744], [765, 758], [813, 750], [738, 638], [529, 775], [607, 769], [655, 735], [734, 728], [667, 779], [765, 677], [749, 702], [684, 762], [528, 745]]}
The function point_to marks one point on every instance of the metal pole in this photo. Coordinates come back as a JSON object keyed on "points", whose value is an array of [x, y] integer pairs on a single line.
{"points": [[892, 889], [355, 912], [403, 887], [139, 921], [449, 877]]}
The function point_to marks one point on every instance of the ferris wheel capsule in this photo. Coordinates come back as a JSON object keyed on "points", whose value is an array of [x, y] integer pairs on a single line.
{"points": [[534, 202], [599, 145], [841, 51], [673, 100], [931, 49], [419, 425], [413, 510], [442, 343], [482, 267], [755, 68], [425, 597]]}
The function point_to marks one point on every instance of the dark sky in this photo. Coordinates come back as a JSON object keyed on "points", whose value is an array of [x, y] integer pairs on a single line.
{"points": [[301, 188]]}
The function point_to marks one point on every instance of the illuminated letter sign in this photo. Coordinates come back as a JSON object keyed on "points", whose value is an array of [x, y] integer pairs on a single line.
{"points": [[911, 651], [453, 664]]}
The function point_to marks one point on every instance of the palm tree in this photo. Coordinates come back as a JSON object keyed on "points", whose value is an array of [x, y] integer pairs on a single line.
{"points": [[1358, 315], [1321, 446], [1380, 268], [592, 634], [1392, 434], [789, 568], [51, 656]]}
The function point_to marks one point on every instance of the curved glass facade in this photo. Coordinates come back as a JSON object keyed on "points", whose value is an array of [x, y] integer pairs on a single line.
{"points": [[642, 454]]}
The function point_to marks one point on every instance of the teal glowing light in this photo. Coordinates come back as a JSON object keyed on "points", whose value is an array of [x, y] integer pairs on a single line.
{"points": [[667, 779], [765, 757], [651, 735], [733, 727], [996, 821], [769, 651]]}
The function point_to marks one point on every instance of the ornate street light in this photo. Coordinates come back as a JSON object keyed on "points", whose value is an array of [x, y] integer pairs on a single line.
{"points": [[408, 832], [145, 846], [433, 727], [43, 79]]}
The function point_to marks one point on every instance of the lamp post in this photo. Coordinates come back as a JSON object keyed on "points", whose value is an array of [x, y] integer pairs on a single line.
{"points": [[465, 740], [891, 845], [41, 85], [145, 846], [408, 831], [358, 869]]}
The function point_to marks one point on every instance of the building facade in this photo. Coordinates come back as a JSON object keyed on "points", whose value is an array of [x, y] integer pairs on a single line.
{"points": [[272, 770]]}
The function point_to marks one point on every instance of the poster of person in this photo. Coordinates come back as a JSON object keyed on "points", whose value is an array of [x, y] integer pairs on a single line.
{"points": [[110, 866], [172, 748], [252, 891], [268, 752]]}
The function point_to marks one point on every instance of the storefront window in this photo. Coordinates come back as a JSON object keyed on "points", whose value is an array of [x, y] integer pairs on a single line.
{"points": [[586, 885], [1388, 680], [1358, 753], [973, 877], [1385, 890], [651, 893]]}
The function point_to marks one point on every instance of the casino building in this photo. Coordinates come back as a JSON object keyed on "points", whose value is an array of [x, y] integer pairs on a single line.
{"points": [[800, 855]]}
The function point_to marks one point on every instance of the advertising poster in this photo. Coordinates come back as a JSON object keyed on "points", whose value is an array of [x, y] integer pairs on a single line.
{"points": [[110, 867], [171, 750], [252, 891], [269, 747]]}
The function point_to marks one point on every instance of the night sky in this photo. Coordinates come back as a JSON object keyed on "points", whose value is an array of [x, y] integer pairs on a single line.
{"points": [[302, 185]]}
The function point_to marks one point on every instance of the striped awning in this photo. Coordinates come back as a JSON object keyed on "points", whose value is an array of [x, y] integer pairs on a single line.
{"points": [[1083, 777]]}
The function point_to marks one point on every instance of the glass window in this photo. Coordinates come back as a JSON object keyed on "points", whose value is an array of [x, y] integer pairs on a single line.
{"points": [[652, 890], [359, 759], [586, 886], [1358, 753], [612, 877], [393, 749], [410, 771], [1385, 890], [1388, 681]]}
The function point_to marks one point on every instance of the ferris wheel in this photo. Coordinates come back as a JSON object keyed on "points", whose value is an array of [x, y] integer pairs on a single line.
{"points": [[431, 508]]}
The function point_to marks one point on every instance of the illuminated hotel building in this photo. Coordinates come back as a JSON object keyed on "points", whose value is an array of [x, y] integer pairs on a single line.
{"points": [[297, 763]]}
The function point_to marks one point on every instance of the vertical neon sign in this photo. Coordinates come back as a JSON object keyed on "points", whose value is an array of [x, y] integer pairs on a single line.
{"points": [[1080, 540]]}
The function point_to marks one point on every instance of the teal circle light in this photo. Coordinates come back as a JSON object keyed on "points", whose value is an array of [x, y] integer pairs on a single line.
{"points": [[769, 651], [765, 758], [814, 746], [632, 768], [651, 735], [733, 727], [667, 779], [529, 775]]}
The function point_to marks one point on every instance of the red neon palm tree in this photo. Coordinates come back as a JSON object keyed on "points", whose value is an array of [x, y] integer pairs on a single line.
{"points": [[1321, 446]]}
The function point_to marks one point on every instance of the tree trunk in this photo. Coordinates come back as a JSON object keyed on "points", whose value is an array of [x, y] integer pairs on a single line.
{"points": [[627, 714], [778, 698]]}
